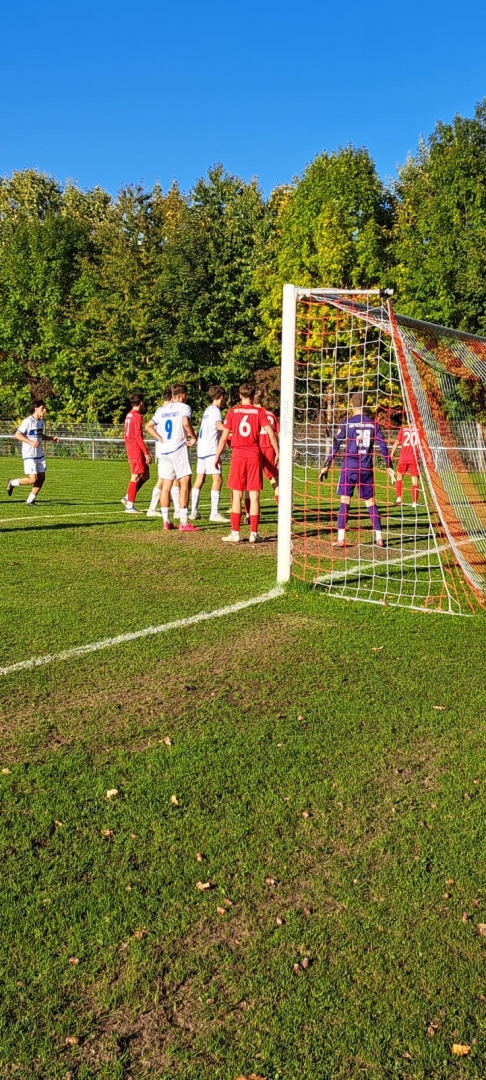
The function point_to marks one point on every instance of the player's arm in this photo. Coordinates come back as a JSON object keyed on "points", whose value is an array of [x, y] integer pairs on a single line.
{"points": [[221, 445], [385, 453], [189, 430], [336, 446], [50, 438], [151, 430], [273, 439], [24, 438], [140, 443], [394, 448]]}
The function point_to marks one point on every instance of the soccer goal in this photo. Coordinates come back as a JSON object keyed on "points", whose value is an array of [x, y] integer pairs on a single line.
{"points": [[358, 381]]}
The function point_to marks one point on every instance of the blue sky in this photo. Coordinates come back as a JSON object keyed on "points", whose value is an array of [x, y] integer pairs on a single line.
{"points": [[110, 93]]}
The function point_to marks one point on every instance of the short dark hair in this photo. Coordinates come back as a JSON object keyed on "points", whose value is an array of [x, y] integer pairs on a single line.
{"points": [[259, 395], [136, 399], [167, 393], [215, 392], [357, 400], [247, 389], [179, 388], [37, 402]]}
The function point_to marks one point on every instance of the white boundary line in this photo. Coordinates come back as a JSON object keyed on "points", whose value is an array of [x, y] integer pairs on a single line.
{"points": [[29, 519], [108, 643]]}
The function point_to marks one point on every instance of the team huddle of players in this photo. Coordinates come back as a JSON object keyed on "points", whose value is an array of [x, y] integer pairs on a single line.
{"points": [[251, 431]]}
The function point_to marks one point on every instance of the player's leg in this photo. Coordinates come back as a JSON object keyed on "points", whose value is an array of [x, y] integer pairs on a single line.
{"points": [[247, 507], [37, 484], [255, 484], [235, 515], [183, 473], [415, 489], [143, 477], [398, 487], [375, 520], [196, 490], [216, 485], [153, 510], [135, 473], [21, 481], [342, 520], [175, 496], [166, 482]]}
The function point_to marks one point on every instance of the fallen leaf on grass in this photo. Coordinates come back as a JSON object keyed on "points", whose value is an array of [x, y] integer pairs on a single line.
{"points": [[6, 772], [133, 836], [221, 910], [107, 832], [305, 963], [279, 921], [227, 902], [270, 880], [449, 881], [73, 960], [71, 1040], [57, 824], [199, 857], [296, 969], [439, 708], [460, 1049], [111, 793], [139, 934], [475, 903], [252, 1076], [167, 741], [300, 719], [307, 911], [203, 885], [482, 929], [305, 814], [464, 916], [174, 800], [377, 648]]}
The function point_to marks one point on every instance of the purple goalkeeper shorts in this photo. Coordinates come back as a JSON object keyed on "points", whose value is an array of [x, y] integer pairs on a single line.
{"points": [[351, 478]]}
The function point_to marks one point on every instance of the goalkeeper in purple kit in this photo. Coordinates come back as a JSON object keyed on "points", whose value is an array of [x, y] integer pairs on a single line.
{"points": [[359, 433]]}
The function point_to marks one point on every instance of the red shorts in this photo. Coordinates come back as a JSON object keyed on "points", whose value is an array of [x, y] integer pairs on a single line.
{"points": [[270, 469], [137, 465], [405, 463], [245, 473]]}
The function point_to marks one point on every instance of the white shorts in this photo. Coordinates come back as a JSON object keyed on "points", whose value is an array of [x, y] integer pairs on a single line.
{"points": [[205, 467], [174, 466], [34, 465]]}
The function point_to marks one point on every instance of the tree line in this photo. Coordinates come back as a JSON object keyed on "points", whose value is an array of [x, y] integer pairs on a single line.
{"points": [[100, 295]]}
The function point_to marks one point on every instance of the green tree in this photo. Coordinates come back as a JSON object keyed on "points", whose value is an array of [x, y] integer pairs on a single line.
{"points": [[440, 233]]}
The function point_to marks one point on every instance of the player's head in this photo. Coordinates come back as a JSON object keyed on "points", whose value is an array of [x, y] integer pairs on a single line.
{"points": [[136, 401], [247, 390], [167, 394], [179, 391], [357, 401], [217, 393], [258, 397], [38, 408]]}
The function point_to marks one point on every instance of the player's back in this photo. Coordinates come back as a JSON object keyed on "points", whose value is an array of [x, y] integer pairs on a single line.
{"points": [[245, 422], [271, 422], [360, 433], [168, 420], [208, 438], [409, 442]]}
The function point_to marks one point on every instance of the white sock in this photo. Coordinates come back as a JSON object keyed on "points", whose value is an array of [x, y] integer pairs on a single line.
{"points": [[183, 510], [379, 534], [165, 512], [30, 498], [154, 502], [341, 534], [215, 503], [175, 492], [195, 493], [15, 483]]}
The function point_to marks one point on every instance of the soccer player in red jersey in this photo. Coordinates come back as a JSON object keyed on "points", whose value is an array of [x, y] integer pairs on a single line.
{"points": [[244, 423], [408, 439], [138, 456], [270, 469]]}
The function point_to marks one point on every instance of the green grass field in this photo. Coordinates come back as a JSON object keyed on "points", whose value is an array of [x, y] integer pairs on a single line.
{"points": [[319, 765]]}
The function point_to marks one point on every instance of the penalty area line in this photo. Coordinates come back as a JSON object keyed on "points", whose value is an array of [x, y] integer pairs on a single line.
{"points": [[148, 631]]}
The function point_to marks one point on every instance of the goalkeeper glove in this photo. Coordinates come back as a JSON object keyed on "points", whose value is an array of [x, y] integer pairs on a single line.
{"points": [[391, 475]]}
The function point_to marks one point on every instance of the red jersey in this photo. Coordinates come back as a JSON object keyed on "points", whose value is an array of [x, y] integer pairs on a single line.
{"points": [[409, 441], [245, 423], [133, 435], [272, 422]]}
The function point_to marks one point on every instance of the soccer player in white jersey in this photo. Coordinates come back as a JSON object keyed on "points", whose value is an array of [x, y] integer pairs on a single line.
{"points": [[173, 432], [207, 444], [153, 510], [32, 436]]}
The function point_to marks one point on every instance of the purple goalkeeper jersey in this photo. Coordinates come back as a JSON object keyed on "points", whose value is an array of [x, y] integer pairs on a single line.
{"points": [[360, 433]]}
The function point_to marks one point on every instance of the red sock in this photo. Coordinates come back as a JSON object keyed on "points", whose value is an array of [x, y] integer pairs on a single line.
{"points": [[254, 519], [235, 522], [276, 499], [131, 491], [415, 493], [247, 504], [398, 488]]}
